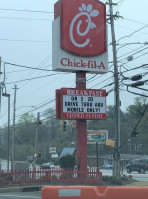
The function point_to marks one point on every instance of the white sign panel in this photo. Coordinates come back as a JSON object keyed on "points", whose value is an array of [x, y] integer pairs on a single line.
{"points": [[83, 104]]}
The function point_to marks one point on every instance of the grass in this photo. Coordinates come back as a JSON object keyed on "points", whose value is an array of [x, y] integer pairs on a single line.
{"points": [[137, 184], [122, 181]]}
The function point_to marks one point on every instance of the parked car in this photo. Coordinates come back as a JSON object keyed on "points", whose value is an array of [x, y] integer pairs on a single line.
{"points": [[139, 165], [106, 166], [48, 165]]}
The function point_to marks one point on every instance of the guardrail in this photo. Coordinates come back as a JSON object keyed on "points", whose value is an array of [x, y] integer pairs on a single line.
{"points": [[52, 176]]}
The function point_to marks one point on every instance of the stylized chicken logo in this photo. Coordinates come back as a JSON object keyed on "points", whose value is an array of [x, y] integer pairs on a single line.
{"points": [[89, 13]]}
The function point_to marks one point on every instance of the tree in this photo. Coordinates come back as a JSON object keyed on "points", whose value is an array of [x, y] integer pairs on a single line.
{"points": [[134, 113], [67, 161]]}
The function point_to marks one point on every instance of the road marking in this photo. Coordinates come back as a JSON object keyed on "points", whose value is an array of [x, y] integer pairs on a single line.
{"points": [[69, 192], [17, 196]]}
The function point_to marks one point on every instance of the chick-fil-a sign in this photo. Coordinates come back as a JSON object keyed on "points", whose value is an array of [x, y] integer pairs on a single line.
{"points": [[83, 27], [80, 37]]}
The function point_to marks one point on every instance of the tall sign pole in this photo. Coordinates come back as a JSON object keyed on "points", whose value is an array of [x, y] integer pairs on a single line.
{"points": [[116, 155], [81, 129]]}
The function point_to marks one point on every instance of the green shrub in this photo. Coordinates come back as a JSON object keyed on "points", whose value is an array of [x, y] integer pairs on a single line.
{"points": [[115, 180], [67, 161], [106, 178], [124, 178]]}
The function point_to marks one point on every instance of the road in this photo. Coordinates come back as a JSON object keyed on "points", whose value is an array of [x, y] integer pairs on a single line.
{"points": [[135, 175], [21, 195]]}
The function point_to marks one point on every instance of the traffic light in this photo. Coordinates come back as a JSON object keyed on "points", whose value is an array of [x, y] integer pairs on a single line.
{"points": [[110, 143], [135, 134], [37, 155], [63, 126]]}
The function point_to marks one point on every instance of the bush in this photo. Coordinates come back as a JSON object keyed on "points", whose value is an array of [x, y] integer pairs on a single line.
{"points": [[67, 162], [106, 178], [124, 178], [113, 180], [116, 180]]}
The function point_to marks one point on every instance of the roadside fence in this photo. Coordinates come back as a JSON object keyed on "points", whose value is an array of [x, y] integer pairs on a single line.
{"points": [[53, 176]]}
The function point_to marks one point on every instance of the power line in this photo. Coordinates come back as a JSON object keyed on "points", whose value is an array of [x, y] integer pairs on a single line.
{"points": [[22, 40], [29, 19], [139, 22], [27, 67], [39, 65], [131, 34], [32, 78], [33, 11]]}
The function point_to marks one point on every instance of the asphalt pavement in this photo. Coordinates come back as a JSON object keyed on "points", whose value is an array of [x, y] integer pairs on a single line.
{"points": [[20, 195]]}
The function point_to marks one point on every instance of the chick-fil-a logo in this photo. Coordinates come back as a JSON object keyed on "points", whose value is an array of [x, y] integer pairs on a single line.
{"points": [[89, 13], [83, 26]]}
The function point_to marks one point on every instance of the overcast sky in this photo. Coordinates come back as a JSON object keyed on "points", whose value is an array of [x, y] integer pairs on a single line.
{"points": [[26, 40]]}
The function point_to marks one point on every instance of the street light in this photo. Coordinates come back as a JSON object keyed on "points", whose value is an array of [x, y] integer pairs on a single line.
{"points": [[8, 136]]}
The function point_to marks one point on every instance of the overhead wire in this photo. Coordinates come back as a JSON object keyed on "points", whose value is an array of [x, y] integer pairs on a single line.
{"points": [[21, 10], [33, 68], [131, 34], [23, 40], [32, 78], [29, 19]]}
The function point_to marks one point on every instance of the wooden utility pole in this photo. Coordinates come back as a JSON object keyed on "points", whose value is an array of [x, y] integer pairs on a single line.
{"points": [[116, 155], [36, 138], [0, 88], [13, 133], [8, 135]]}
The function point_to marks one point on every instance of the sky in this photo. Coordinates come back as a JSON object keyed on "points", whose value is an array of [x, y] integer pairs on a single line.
{"points": [[26, 40]]}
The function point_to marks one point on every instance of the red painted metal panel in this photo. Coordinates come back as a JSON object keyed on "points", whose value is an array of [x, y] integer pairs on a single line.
{"points": [[57, 9], [83, 27], [58, 104]]}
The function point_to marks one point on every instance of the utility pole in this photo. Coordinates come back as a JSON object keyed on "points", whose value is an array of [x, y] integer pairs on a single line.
{"points": [[36, 138], [116, 154], [13, 133], [0, 87], [8, 135]]}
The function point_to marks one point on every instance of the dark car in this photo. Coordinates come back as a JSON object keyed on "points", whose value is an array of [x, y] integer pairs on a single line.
{"points": [[48, 165], [139, 165]]}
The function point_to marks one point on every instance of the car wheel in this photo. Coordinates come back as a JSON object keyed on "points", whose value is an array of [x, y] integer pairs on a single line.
{"points": [[128, 170], [142, 171]]}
